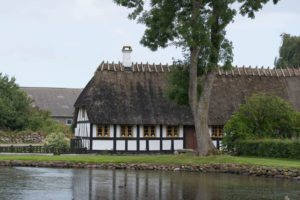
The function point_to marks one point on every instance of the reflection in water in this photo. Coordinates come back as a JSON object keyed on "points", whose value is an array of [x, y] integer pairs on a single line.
{"points": [[109, 184], [49, 183]]}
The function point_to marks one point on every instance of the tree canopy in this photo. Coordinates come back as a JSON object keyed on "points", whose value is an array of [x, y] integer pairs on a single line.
{"points": [[15, 106], [289, 52]]}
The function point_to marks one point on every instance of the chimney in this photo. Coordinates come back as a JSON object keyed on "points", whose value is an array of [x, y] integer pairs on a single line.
{"points": [[127, 56]]}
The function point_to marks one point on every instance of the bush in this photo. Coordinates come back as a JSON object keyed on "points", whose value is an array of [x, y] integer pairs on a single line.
{"points": [[275, 148], [56, 140], [262, 116]]}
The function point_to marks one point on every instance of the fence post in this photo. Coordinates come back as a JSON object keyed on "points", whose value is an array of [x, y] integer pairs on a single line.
{"points": [[11, 148], [30, 148]]}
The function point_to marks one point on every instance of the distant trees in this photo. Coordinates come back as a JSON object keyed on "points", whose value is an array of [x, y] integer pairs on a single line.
{"points": [[17, 114], [289, 52], [262, 116], [15, 106]]}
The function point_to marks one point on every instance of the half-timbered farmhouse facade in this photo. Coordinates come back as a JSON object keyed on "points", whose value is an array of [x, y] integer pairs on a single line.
{"points": [[124, 108]]}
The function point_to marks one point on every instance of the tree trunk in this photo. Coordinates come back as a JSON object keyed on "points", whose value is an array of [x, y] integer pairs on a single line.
{"points": [[204, 143], [200, 107]]}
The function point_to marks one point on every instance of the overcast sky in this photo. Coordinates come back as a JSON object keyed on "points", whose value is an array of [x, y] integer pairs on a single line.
{"points": [[60, 43]]}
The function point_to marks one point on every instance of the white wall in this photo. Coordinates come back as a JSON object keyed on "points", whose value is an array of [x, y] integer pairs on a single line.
{"points": [[121, 145], [79, 116], [142, 145], [82, 130], [154, 145], [132, 145], [103, 145], [166, 144], [178, 144]]}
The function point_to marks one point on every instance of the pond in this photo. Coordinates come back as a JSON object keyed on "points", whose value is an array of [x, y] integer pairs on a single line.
{"points": [[53, 183]]}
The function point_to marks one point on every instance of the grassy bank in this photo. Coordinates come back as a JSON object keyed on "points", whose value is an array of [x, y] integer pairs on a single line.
{"points": [[165, 159]]}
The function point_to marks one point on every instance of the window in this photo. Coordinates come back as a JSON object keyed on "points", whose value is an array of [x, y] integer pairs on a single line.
{"points": [[83, 112], [126, 131], [69, 121], [103, 130], [172, 131], [149, 131], [217, 132]]}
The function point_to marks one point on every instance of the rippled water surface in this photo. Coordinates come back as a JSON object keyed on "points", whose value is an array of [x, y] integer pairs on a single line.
{"points": [[50, 183]]}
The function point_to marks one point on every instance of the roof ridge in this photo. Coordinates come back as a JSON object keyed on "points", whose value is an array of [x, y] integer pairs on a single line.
{"points": [[235, 71], [49, 87]]}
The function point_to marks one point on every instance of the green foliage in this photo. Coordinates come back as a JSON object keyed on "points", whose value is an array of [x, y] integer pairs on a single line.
{"points": [[17, 114], [276, 148], [56, 140], [262, 116], [178, 87], [289, 52], [15, 110]]}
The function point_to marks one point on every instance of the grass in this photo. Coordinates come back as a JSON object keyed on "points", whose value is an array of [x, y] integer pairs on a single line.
{"points": [[162, 159]]}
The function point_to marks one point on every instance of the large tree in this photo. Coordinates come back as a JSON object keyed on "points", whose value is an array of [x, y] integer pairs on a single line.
{"points": [[198, 26], [289, 52]]}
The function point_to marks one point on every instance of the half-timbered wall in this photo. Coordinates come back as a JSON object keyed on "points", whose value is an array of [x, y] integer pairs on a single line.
{"points": [[216, 141], [138, 142], [83, 127]]}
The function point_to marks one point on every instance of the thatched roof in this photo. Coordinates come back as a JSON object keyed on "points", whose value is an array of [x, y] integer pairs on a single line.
{"points": [[118, 96], [59, 101]]}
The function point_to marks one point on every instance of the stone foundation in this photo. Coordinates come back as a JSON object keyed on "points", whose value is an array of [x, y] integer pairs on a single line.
{"points": [[249, 170]]}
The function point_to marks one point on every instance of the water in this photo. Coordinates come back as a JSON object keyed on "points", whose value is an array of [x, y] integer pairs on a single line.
{"points": [[51, 183]]}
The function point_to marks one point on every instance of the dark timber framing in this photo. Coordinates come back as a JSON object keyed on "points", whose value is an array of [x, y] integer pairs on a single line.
{"points": [[138, 140], [91, 137]]}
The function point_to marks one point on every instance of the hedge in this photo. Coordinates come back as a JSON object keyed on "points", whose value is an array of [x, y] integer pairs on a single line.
{"points": [[275, 148]]}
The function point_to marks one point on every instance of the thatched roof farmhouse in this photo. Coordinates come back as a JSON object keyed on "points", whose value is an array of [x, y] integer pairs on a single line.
{"points": [[124, 108]]}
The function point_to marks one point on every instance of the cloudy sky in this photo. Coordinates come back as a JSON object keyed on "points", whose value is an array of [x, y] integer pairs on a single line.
{"points": [[55, 43]]}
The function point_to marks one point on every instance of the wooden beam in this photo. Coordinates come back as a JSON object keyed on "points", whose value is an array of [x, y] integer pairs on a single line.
{"points": [[289, 71], [162, 68], [149, 68], [276, 72], [155, 67], [102, 65], [238, 69], [263, 69], [257, 71], [252, 70], [270, 71], [245, 70], [294, 71], [282, 72]]}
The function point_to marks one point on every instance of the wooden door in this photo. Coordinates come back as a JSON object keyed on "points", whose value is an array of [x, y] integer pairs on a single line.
{"points": [[190, 137]]}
